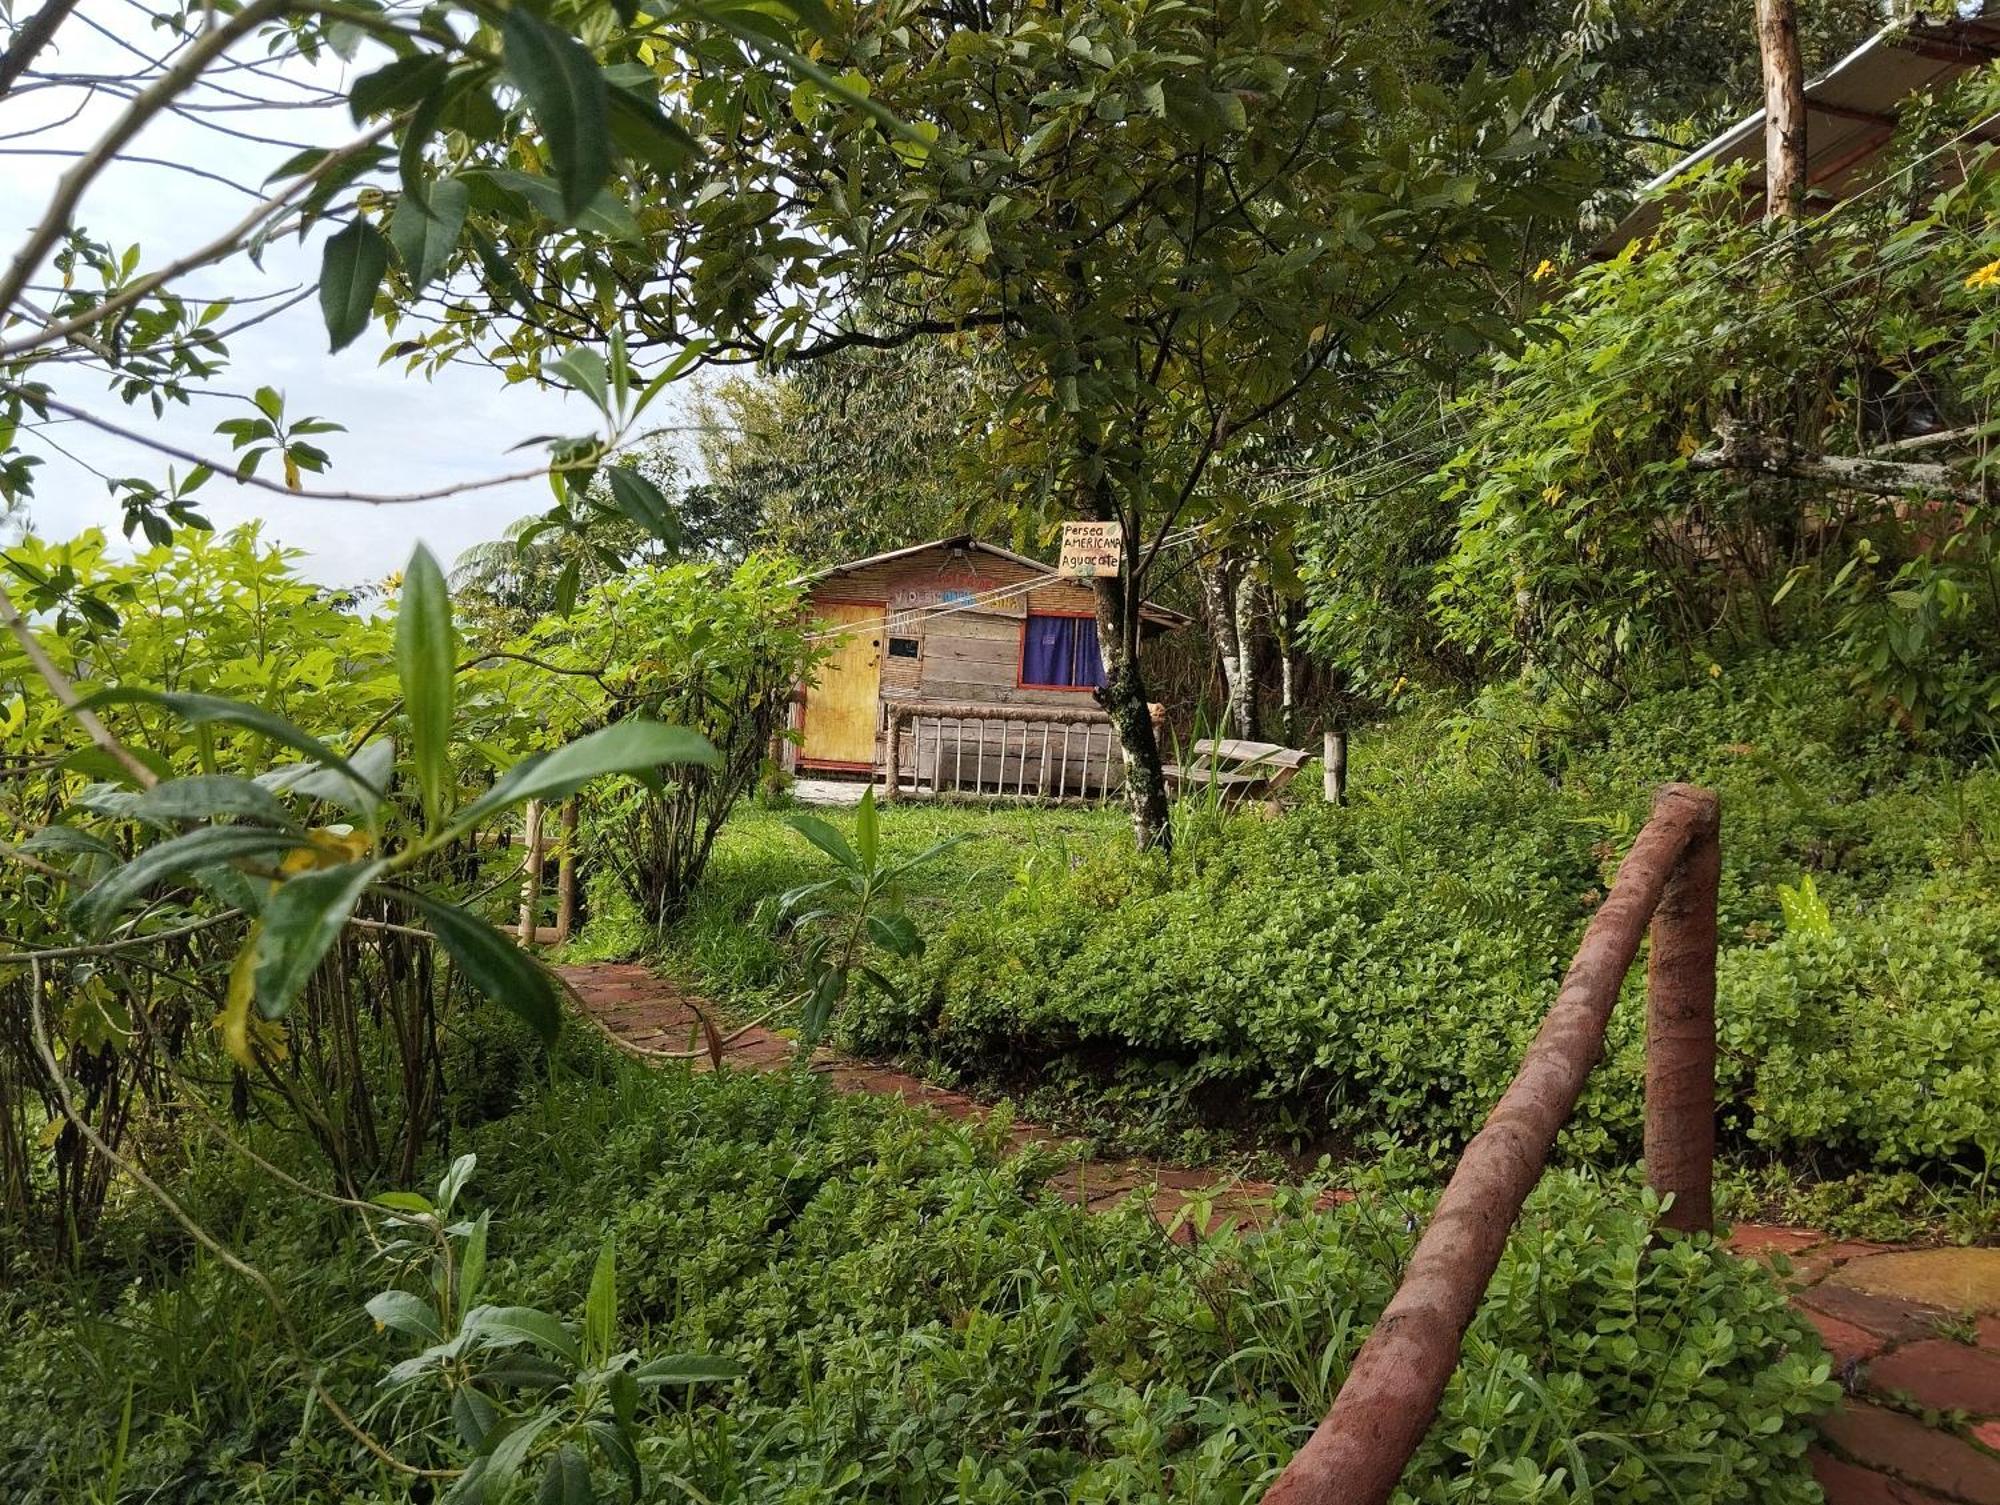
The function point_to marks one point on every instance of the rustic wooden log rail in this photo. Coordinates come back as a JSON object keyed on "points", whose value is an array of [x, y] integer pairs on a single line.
{"points": [[1358, 1453], [1058, 728]]}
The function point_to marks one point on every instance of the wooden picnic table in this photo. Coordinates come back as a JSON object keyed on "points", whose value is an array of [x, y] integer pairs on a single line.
{"points": [[1240, 769]]}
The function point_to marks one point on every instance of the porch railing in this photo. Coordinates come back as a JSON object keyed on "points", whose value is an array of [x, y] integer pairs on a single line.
{"points": [[1359, 1452], [1049, 753]]}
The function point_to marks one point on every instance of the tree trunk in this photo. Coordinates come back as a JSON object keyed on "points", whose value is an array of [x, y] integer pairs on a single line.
{"points": [[1226, 594], [1243, 693], [1124, 700], [1284, 621], [1784, 108]]}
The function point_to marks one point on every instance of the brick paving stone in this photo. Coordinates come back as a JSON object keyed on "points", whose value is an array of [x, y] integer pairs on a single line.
{"points": [[1942, 1376], [1772, 1238], [1885, 1316], [1847, 1344], [1850, 1484], [1904, 1447]]}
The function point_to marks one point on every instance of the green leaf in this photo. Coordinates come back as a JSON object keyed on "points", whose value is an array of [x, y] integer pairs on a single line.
{"points": [[406, 1314], [414, 1202], [895, 934], [426, 665], [583, 369], [493, 964], [503, 1463], [212, 710], [205, 796], [624, 747], [567, 1481], [565, 90], [867, 828], [647, 134], [472, 1263], [600, 1308], [510, 1326], [686, 1369], [396, 85], [615, 1443], [827, 839], [300, 921], [209, 846], [425, 230], [472, 1415], [640, 500], [350, 272]]}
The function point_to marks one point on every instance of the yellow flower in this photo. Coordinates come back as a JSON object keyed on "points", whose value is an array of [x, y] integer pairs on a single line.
{"points": [[1545, 271], [1987, 276]]}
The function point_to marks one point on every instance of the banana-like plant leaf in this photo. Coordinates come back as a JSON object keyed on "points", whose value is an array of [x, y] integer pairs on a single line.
{"points": [[208, 846], [827, 839], [494, 965], [623, 747], [300, 920], [426, 665], [204, 796]]}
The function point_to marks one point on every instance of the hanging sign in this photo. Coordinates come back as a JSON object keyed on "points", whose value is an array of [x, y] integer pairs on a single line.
{"points": [[1091, 550]]}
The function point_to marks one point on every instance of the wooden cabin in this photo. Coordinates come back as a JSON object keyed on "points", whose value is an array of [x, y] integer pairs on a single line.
{"points": [[983, 661]]}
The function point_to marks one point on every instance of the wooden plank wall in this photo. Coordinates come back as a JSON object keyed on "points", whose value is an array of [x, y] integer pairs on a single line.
{"points": [[967, 657]]}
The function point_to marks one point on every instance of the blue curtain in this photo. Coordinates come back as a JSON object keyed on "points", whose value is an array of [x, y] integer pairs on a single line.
{"points": [[1061, 651]]}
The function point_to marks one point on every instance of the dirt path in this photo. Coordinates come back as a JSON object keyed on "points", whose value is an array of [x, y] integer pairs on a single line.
{"points": [[1914, 1333]]}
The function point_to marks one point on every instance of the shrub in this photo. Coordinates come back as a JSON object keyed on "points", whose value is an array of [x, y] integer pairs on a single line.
{"points": [[1380, 968]]}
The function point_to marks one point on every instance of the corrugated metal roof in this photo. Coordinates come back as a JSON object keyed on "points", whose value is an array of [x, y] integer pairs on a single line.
{"points": [[1851, 112], [1164, 616]]}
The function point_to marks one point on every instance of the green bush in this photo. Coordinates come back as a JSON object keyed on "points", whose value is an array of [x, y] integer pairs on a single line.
{"points": [[919, 1322], [1380, 968]]}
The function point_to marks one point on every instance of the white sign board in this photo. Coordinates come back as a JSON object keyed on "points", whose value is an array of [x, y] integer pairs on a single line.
{"points": [[1091, 550]]}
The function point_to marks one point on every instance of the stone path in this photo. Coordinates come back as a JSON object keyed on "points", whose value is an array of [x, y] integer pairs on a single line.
{"points": [[1914, 1333], [1915, 1340]]}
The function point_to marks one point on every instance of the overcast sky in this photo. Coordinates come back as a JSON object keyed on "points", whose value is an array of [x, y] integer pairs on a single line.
{"points": [[404, 434]]}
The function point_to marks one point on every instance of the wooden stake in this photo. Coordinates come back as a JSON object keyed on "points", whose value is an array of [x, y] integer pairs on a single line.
{"points": [[1333, 759], [1784, 108], [531, 880], [566, 875]]}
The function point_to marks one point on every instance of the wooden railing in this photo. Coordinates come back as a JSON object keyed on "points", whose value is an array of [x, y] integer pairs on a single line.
{"points": [[1000, 752], [1359, 1452]]}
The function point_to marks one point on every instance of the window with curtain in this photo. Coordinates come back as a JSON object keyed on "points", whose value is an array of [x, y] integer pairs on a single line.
{"points": [[1060, 653]]}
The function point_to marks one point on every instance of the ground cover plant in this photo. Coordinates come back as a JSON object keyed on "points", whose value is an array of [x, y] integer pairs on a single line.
{"points": [[912, 1317]]}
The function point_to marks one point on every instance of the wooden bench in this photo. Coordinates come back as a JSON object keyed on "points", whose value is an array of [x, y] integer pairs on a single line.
{"points": [[1241, 770]]}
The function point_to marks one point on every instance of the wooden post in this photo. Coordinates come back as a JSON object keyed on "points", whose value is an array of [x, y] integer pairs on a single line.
{"points": [[1784, 108], [531, 879], [892, 761], [1333, 756], [566, 875], [1680, 1033]]}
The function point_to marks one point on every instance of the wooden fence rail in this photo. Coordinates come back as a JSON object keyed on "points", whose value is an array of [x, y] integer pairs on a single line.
{"points": [[1049, 753], [1358, 1453]]}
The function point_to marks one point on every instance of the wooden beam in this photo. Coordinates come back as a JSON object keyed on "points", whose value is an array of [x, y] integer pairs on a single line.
{"points": [[1887, 119]]}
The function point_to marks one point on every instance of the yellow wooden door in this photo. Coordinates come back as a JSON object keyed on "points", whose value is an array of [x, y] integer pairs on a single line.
{"points": [[841, 706]]}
